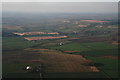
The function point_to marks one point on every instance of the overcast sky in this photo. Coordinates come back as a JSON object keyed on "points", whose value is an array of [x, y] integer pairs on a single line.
{"points": [[46, 7], [60, 0]]}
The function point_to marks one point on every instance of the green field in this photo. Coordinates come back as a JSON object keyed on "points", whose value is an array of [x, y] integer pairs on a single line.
{"points": [[74, 46], [15, 43], [106, 52], [88, 75], [71, 47], [110, 66], [14, 63]]}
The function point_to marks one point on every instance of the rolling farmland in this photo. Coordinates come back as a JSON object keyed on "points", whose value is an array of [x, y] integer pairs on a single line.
{"points": [[60, 46]]}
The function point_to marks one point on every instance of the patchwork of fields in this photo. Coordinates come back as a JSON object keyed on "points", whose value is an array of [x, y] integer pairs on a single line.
{"points": [[68, 53], [73, 58]]}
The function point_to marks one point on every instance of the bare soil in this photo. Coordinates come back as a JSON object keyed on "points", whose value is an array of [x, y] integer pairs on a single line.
{"points": [[57, 61]]}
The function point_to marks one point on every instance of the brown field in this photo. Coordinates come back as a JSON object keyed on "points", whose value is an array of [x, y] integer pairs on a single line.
{"points": [[56, 61], [34, 33], [115, 43], [94, 21], [40, 38], [35, 49]]}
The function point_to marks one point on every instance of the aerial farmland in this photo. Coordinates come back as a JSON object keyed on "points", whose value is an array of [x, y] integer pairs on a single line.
{"points": [[60, 45]]}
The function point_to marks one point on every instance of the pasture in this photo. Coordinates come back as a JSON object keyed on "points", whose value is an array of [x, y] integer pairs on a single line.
{"points": [[15, 43], [75, 46], [110, 66]]}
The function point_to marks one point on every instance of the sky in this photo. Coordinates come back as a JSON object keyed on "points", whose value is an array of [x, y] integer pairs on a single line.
{"points": [[61, 7], [59, 0]]}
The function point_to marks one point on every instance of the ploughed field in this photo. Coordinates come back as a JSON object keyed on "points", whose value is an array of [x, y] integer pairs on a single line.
{"points": [[34, 36], [41, 38], [56, 61]]}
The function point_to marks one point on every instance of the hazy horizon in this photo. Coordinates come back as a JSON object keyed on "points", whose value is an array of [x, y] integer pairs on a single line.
{"points": [[60, 7]]}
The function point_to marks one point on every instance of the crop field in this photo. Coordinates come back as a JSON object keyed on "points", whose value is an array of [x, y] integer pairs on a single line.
{"points": [[14, 63], [59, 62], [106, 52], [85, 46], [110, 66], [42, 38], [71, 46], [14, 43]]}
